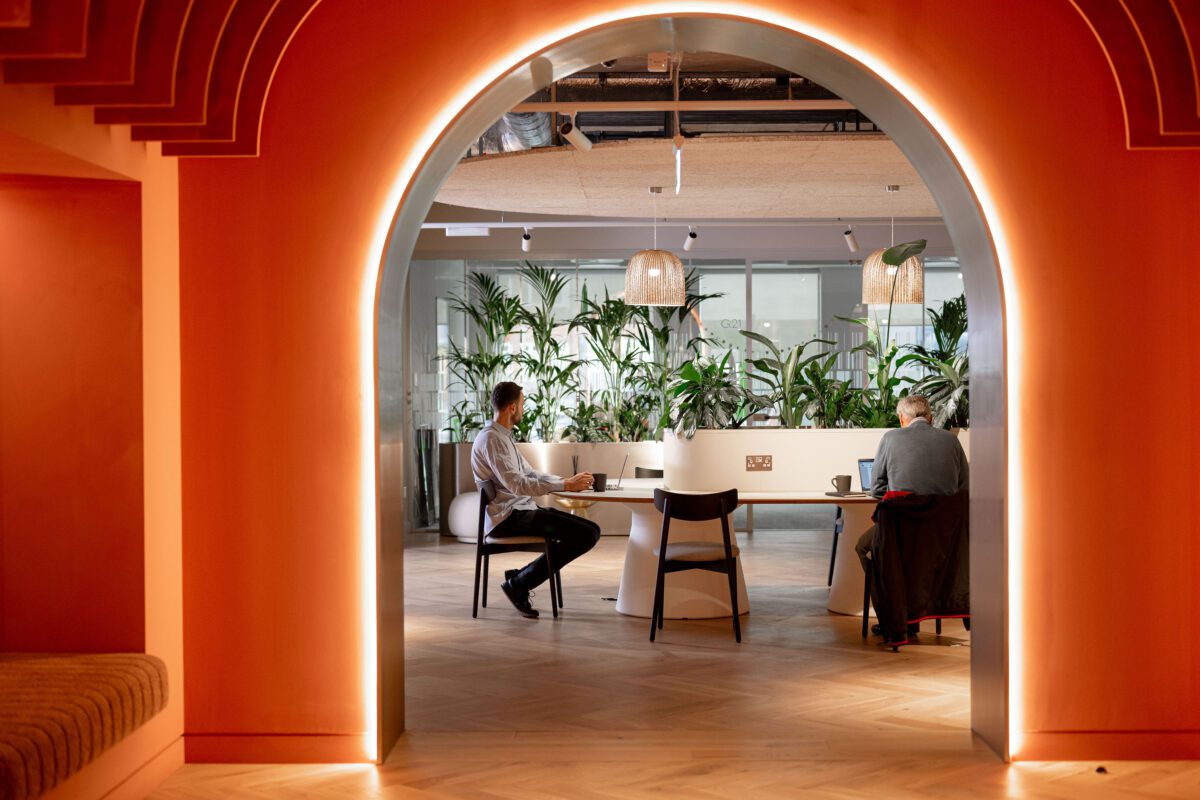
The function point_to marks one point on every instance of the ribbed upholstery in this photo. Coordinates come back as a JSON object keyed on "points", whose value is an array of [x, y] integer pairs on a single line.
{"points": [[696, 551], [58, 712]]}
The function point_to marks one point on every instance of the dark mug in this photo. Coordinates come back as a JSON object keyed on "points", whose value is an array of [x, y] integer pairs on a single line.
{"points": [[601, 481], [841, 483]]}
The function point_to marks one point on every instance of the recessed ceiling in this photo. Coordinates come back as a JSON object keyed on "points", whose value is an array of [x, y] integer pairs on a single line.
{"points": [[763, 177]]}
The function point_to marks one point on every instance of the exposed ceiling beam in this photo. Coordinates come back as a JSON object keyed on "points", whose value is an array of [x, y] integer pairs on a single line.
{"points": [[664, 222], [567, 107]]}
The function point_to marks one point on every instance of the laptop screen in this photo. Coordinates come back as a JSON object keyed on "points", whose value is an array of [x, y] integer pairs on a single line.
{"points": [[864, 472]]}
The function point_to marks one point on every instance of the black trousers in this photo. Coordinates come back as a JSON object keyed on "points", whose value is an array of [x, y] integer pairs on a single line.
{"points": [[572, 536], [863, 548]]}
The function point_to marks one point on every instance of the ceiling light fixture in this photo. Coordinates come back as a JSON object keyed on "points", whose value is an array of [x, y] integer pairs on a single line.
{"points": [[690, 239], [851, 239], [526, 241], [886, 284], [576, 137], [655, 277]]}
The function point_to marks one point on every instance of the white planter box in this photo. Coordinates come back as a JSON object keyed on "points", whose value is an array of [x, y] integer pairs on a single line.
{"points": [[606, 457], [802, 459]]}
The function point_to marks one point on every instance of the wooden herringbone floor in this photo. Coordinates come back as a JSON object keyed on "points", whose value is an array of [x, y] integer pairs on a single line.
{"points": [[586, 707]]}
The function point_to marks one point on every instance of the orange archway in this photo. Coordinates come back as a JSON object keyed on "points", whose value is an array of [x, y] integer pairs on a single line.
{"points": [[937, 154]]}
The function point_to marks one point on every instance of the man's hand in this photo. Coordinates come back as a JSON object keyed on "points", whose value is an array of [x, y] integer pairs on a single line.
{"points": [[577, 483]]}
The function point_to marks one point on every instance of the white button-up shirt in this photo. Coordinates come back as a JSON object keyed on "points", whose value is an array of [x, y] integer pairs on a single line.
{"points": [[495, 458]]}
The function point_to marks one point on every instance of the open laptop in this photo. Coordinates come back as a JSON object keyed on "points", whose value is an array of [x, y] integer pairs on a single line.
{"points": [[621, 477], [865, 467]]}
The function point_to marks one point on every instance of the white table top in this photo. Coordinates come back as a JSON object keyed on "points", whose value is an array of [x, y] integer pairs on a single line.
{"points": [[641, 490]]}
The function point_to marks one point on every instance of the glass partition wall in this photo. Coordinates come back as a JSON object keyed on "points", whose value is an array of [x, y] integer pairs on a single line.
{"points": [[788, 302]]}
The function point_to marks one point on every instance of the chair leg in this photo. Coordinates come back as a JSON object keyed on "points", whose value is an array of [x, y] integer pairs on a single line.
{"points": [[833, 556], [558, 580], [662, 598], [731, 565], [657, 614], [483, 590], [866, 626], [475, 597], [654, 612], [551, 581], [938, 626], [967, 623]]}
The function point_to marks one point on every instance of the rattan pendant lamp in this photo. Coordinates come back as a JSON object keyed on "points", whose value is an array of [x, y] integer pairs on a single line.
{"points": [[655, 277], [884, 284]]}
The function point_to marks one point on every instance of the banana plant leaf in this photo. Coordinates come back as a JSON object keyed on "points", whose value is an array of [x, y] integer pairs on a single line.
{"points": [[898, 254]]}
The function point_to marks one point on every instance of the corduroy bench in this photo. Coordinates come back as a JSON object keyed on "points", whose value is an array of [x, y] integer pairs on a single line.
{"points": [[59, 712]]}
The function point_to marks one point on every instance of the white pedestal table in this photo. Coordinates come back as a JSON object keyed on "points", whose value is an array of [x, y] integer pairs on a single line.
{"points": [[697, 594]]}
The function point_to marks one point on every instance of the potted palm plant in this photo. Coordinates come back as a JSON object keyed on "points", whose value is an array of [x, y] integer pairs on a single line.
{"points": [[946, 381], [669, 336], [606, 327], [552, 371], [492, 314]]}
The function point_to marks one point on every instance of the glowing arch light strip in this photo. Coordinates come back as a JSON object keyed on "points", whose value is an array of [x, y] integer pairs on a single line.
{"points": [[747, 12]]}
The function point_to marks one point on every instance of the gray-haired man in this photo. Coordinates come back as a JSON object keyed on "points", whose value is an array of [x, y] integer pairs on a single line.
{"points": [[916, 458]]}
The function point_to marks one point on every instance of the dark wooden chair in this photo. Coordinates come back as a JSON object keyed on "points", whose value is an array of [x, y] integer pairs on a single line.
{"points": [[647, 472], [487, 546], [710, 556], [869, 578], [866, 626]]}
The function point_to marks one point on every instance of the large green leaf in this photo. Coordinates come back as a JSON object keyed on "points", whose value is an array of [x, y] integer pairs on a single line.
{"points": [[763, 340], [898, 254]]}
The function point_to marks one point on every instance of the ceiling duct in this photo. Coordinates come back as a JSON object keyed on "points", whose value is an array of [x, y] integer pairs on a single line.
{"points": [[514, 131], [526, 131]]}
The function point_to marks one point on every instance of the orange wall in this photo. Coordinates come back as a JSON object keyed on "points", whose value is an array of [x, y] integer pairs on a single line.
{"points": [[39, 138], [272, 252], [70, 416]]}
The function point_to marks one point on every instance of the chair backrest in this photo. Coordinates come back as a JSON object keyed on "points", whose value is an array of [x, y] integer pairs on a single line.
{"points": [[647, 472], [487, 493], [925, 539], [695, 507]]}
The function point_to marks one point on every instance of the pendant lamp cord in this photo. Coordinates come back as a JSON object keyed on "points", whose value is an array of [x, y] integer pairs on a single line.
{"points": [[654, 200]]}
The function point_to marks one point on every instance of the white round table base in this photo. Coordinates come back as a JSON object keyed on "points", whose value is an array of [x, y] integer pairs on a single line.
{"points": [[694, 594], [846, 594]]}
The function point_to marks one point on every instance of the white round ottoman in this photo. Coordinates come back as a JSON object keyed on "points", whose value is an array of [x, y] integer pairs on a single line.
{"points": [[464, 517]]}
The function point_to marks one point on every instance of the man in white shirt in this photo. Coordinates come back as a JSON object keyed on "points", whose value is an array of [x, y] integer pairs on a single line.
{"points": [[495, 458]]}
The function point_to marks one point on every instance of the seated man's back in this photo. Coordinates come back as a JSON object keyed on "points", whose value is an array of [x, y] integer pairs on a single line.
{"points": [[921, 459]]}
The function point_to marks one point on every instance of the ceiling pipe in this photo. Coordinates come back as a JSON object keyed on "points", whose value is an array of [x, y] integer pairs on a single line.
{"points": [[663, 222], [568, 108]]}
